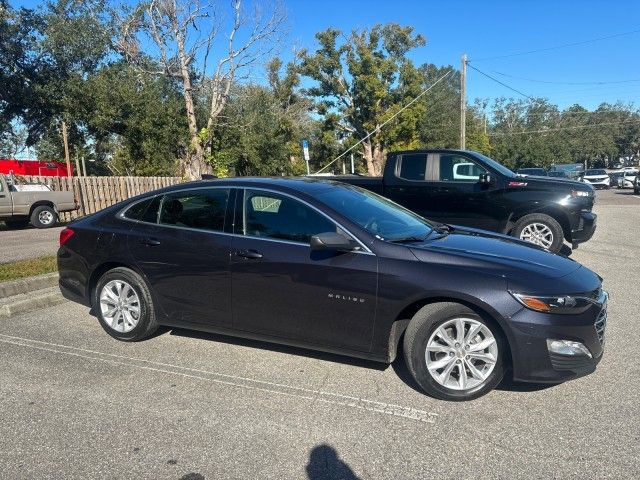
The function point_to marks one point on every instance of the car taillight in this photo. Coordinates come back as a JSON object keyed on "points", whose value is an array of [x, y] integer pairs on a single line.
{"points": [[65, 235]]}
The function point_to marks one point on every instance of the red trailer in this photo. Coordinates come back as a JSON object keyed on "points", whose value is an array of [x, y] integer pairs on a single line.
{"points": [[45, 168]]}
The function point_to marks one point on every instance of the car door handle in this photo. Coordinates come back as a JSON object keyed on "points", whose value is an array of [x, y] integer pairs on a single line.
{"points": [[248, 254], [151, 242]]}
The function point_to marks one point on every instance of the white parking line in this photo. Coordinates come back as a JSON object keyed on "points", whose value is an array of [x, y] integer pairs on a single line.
{"points": [[231, 380]]}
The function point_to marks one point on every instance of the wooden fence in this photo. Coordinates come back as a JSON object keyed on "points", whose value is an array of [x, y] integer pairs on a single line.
{"points": [[96, 193]]}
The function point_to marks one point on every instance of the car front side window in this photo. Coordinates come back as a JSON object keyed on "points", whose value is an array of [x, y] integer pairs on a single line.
{"points": [[270, 215]]}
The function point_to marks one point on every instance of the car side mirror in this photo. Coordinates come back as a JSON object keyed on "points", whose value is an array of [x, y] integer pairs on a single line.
{"points": [[332, 241], [485, 179]]}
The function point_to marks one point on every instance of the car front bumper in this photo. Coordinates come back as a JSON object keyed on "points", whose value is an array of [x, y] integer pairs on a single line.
{"points": [[584, 229], [532, 360], [605, 182]]}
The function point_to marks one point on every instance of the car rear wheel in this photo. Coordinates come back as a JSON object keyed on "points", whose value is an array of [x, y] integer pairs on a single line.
{"points": [[540, 229], [124, 306], [453, 353], [44, 217]]}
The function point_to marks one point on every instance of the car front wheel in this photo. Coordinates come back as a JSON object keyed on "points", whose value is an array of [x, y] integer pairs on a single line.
{"points": [[124, 306], [540, 229], [453, 353]]}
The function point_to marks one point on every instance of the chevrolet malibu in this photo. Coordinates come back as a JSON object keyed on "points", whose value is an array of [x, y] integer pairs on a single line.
{"points": [[329, 266]]}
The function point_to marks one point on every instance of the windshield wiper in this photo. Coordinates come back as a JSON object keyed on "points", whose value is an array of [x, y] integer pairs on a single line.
{"points": [[409, 239]]}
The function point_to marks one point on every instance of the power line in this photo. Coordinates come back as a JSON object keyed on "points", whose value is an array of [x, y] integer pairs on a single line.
{"points": [[562, 113], [568, 83], [557, 47], [545, 130], [415, 99], [498, 81]]}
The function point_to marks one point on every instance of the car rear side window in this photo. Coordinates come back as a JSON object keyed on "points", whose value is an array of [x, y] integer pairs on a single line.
{"points": [[204, 209], [412, 167], [270, 215], [145, 210]]}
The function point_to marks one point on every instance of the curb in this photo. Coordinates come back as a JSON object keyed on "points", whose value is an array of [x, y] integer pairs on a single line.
{"points": [[29, 284], [23, 303]]}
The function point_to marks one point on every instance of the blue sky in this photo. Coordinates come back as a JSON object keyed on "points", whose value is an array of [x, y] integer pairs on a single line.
{"points": [[491, 28]]}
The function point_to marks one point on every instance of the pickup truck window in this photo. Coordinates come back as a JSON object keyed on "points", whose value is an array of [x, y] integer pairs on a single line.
{"points": [[412, 167], [456, 168], [203, 209], [270, 215]]}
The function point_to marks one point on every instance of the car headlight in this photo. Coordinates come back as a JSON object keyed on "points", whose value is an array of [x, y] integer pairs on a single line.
{"points": [[568, 304]]}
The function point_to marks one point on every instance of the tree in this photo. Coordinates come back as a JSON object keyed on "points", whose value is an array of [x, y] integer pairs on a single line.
{"points": [[362, 82], [264, 125], [185, 38]]}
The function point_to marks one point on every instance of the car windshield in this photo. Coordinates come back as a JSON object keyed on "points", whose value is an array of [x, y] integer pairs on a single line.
{"points": [[495, 165], [595, 172], [377, 215]]}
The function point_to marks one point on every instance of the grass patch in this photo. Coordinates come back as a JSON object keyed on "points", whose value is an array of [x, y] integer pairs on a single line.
{"points": [[27, 268]]}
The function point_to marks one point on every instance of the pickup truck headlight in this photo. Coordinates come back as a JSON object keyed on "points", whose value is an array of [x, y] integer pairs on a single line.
{"points": [[567, 304]]}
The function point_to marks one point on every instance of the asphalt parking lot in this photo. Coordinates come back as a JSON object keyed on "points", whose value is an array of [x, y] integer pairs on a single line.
{"points": [[76, 404], [29, 242]]}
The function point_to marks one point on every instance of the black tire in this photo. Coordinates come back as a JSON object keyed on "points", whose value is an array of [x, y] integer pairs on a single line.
{"points": [[550, 222], [17, 223], [147, 324], [44, 217], [422, 326]]}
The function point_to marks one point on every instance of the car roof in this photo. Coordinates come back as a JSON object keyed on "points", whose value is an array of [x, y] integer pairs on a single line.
{"points": [[307, 185]]}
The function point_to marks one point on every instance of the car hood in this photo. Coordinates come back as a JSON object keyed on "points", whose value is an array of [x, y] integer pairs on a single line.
{"points": [[596, 176], [493, 253]]}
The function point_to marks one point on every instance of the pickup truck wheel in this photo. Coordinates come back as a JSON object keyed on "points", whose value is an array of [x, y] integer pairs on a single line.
{"points": [[44, 217], [124, 306], [453, 353], [540, 229]]}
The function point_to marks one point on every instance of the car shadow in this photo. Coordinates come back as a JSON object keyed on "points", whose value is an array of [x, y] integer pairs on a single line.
{"points": [[276, 347], [399, 366], [565, 250]]}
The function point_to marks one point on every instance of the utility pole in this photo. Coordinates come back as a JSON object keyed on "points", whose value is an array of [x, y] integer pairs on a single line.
{"points": [[353, 168], [463, 100], [65, 140], [84, 167]]}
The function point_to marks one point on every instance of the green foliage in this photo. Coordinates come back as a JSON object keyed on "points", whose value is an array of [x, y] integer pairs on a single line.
{"points": [[537, 133], [365, 79]]}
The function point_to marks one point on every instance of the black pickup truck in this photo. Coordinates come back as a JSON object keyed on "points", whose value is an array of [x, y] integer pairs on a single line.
{"points": [[467, 188]]}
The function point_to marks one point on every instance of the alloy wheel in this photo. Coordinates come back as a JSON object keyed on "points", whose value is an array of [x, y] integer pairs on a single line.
{"points": [[538, 234], [461, 354], [120, 306]]}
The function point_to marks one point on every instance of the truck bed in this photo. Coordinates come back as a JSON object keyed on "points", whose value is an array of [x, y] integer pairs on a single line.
{"points": [[375, 184]]}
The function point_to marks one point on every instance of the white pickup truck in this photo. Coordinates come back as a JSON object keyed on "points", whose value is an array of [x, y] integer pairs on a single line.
{"points": [[35, 203]]}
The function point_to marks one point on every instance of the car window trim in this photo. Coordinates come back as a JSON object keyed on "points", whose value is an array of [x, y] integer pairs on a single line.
{"points": [[364, 249], [240, 195]]}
